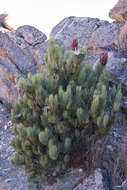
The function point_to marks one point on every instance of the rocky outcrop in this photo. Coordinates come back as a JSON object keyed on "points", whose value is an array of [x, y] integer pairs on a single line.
{"points": [[119, 11], [26, 36], [21, 51], [93, 33], [90, 32]]}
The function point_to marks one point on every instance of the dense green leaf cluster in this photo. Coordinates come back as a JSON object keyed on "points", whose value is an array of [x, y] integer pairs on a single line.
{"points": [[61, 109]]}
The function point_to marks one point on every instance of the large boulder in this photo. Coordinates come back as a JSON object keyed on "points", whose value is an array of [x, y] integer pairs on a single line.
{"points": [[119, 11], [27, 35], [21, 51], [92, 33]]}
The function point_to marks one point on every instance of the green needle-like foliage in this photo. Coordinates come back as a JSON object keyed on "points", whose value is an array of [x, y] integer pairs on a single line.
{"points": [[61, 109]]}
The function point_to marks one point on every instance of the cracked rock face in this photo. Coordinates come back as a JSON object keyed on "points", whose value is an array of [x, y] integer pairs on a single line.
{"points": [[90, 32], [31, 35], [27, 35]]}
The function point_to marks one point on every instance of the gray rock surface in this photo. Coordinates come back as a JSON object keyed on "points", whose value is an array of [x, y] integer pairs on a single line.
{"points": [[90, 32], [119, 11], [11, 178], [94, 181], [27, 35], [22, 50], [16, 54], [19, 55]]}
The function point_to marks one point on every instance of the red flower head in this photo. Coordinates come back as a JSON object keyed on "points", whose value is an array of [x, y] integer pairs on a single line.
{"points": [[110, 47], [74, 44], [112, 44], [103, 58]]}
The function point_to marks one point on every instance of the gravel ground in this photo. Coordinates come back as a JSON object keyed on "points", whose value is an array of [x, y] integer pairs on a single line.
{"points": [[11, 178]]}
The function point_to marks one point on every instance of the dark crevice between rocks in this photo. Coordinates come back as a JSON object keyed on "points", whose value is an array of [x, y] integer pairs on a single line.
{"points": [[30, 44], [6, 105]]}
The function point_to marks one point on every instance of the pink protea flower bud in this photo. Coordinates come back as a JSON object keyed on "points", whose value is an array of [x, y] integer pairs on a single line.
{"points": [[104, 58], [74, 44]]}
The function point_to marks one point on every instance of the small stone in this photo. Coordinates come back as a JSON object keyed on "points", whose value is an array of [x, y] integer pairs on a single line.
{"points": [[109, 147], [5, 127], [45, 108], [9, 124], [81, 170], [54, 174]]}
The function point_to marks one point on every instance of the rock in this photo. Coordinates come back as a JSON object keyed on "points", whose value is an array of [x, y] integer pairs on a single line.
{"points": [[94, 181], [17, 39], [90, 32], [13, 178], [3, 23], [74, 180], [15, 54], [28, 53], [9, 76], [124, 104], [22, 50], [27, 35], [32, 41], [20, 53], [119, 11], [31, 35]]}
